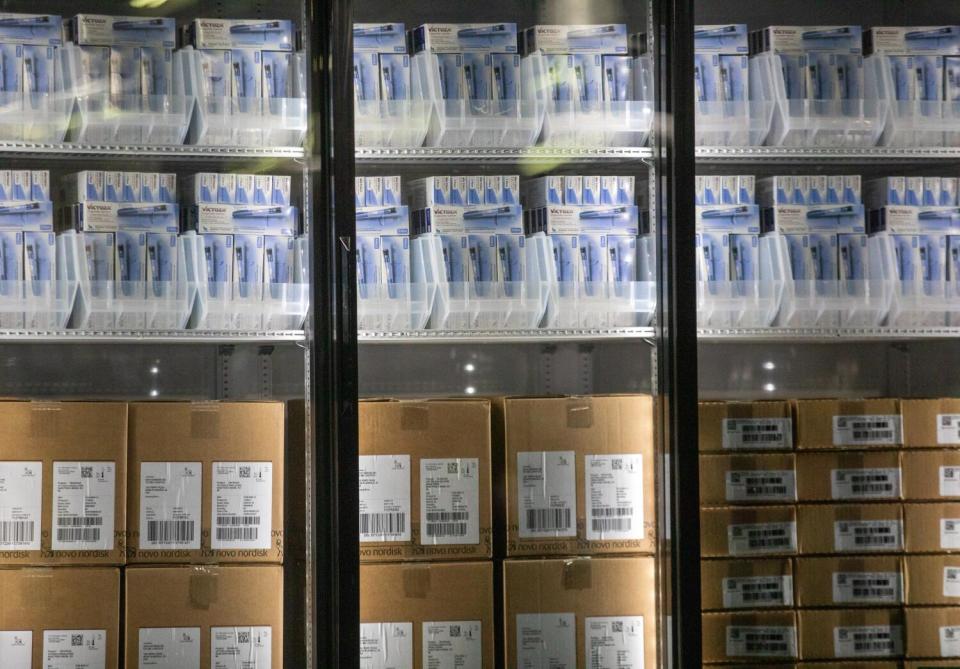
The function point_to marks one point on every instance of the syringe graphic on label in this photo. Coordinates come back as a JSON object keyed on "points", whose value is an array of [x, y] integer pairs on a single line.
{"points": [[447, 265], [715, 32], [238, 82], [387, 83], [581, 84], [146, 24], [698, 82], [152, 252], [585, 268], [124, 261], [708, 261], [816, 258], [29, 75], [265, 27], [506, 271], [468, 76], [271, 265], [357, 83], [241, 269], [846, 262], [488, 31], [615, 264], [611, 85], [389, 269], [955, 254], [737, 262], [499, 84], [599, 31], [146, 75], [362, 271], [33, 263], [555, 82], [726, 85], [385, 30], [209, 253], [25, 22]]}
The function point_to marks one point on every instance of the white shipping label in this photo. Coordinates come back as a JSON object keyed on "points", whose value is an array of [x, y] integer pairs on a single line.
{"points": [[951, 581], [170, 505], [241, 647], [950, 481], [547, 493], [761, 485], [614, 490], [386, 645], [773, 434], [950, 533], [948, 429], [170, 647], [761, 641], [384, 498], [862, 587], [449, 501], [865, 483], [242, 505], [16, 649], [614, 642], [74, 649], [21, 498], [452, 644], [867, 535], [868, 640], [546, 641], [745, 592], [84, 498], [759, 538], [860, 430], [950, 641]]}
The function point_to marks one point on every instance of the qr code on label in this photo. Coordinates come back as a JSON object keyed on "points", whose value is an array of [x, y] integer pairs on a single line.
{"points": [[245, 472], [454, 631], [86, 472], [243, 637], [617, 626], [453, 467], [946, 421], [76, 640], [616, 464]]}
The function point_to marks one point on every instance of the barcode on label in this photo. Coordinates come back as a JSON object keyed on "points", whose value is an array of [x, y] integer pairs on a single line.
{"points": [[447, 523], [16, 531], [849, 430], [771, 591], [757, 433], [79, 522], [612, 519], [765, 643], [170, 531], [764, 537], [81, 534], [383, 523], [238, 520], [548, 520], [237, 533]]}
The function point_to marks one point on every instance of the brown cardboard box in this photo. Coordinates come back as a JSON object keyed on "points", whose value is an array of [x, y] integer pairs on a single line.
{"points": [[768, 478], [847, 665], [827, 634], [931, 474], [849, 476], [768, 424], [173, 448], [933, 632], [187, 612], [932, 664], [399, 441], [746, 584], [552, 606], [847, 423], [850, 528], [932, 528], [70, 457], [727, 635], [933, 579], [931, 423], [571, 449], [403, 605], [874, 580], [62, 605], [757, 531]]}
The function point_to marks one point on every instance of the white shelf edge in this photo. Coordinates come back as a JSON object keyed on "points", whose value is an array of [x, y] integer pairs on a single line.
{"points": [[151, 336], [467, 154], [824, 336], [67, 149], [506, 337], [734, 154]]}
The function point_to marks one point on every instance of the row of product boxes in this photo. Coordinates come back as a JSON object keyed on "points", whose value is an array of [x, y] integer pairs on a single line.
{"points": [[824, 529], [155, 482], [829, 424], [183, 617], [574, 475]]}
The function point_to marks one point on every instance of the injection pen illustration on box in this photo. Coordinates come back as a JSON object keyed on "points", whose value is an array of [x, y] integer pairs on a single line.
{"points": [[145, 24], [265, 27]]}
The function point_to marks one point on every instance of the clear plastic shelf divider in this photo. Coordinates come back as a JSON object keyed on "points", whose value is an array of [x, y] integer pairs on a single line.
{"points": [[39, 305]]}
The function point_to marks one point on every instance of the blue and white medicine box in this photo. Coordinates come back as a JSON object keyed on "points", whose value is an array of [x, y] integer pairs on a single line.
{"points": [[609, 38], [461, 37]]}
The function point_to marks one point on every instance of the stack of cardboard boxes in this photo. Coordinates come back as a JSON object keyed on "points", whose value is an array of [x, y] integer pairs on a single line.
{"points": [[186, 498], [837, 549]]}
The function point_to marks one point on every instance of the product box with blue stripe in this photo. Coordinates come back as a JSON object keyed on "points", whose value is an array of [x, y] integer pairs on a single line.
{"points": [[610, 38], [464, 37], [383, 251], [924, 242], [728, 242]]}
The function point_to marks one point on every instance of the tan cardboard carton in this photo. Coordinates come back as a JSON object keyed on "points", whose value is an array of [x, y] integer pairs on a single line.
{"points": [[63, 471], [850, 528], [580, 612], [427, 614], [933, 579], [853, 476], [932, 664], [64, 615], [931, 423], [827, 634], [204, 617], [750, 636], [579, 474], [740, 532], [766, 478], [828, 424], [932, 528], [206, 482], [931, 475], [745, 426], [847, 665], [869, 580], [933, 632], [746, 584], [425, 480]]}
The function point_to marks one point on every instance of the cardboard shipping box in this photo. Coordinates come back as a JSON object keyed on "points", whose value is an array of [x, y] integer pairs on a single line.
{"points": [[933, 579], [763, 478], [933, 632], [205, 617], [746, 584], [847, 665], [869, 580], [757, 636], [739, 532], [931, 474], [850, 528], [206, 482], [849, 476], [827, 634], [427, 615], [931, 423], [580, 612], [745, 426], [579, 474], [425, 480], [931, 664], [60, 617], [828, 424], [932, 528], [63, 472]]}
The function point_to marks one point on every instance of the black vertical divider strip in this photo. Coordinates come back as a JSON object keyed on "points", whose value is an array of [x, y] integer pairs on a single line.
{"points": [[333, 383]]}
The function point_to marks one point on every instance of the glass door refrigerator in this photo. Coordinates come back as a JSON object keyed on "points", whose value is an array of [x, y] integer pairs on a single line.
{"points": [[827, 306]]}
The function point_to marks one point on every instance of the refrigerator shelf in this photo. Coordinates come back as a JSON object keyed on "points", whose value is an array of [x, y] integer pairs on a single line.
{"points": [[550, 155], [820, 154]]}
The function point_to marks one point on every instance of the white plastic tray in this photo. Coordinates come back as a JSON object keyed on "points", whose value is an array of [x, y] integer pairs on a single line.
{"points": [[603, 305], [913, 122], [396, 308], [833, 304], [39, 305], [391, 123], [131, 119], [738, 304], [924, 304], [35, 117], [739, 123]]}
